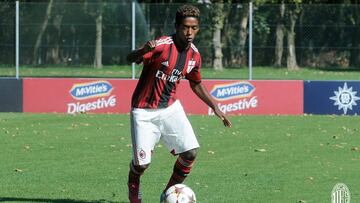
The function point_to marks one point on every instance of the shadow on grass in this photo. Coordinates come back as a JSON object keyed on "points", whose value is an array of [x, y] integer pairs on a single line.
{"points": [[18, 199]]}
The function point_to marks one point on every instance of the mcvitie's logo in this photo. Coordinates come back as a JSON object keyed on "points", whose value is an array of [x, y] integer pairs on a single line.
{"points": [[91, 90], [235, 97], [83, 91], [232, 91]]}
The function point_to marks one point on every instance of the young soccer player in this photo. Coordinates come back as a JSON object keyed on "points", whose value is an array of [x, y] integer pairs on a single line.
{"points": [[156, 113]]}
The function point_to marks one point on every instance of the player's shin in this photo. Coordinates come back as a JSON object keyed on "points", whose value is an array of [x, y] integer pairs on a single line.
{"points": [[181, 170], [135, 173]]}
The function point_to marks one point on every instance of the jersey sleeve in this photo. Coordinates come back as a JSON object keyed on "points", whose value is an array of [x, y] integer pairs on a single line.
{"points": [[194, 75], [158, 49]]}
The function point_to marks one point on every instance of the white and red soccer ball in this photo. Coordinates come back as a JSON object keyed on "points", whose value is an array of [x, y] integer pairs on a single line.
{"points": [[180, 193]]}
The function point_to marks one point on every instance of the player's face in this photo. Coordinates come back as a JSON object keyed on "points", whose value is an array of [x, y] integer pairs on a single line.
{"points": [[187, 30]]}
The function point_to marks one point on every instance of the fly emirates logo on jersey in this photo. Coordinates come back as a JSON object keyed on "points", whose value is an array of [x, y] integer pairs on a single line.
{"points": [[91, 96], [173, 77], [234, 97]]}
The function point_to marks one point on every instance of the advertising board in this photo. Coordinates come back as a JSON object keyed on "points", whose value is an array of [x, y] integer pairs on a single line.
{"points": [[114, 96]]}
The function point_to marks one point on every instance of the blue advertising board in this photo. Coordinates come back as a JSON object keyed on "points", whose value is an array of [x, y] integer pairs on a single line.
{"points": [[332, 97], [11, 95]]}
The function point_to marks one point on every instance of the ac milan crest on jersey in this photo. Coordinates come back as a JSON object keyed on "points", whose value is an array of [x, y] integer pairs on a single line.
{"points": [[191, 65]]}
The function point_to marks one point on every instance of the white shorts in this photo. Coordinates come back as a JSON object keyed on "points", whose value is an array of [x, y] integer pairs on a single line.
{"points": [[170, 125]]}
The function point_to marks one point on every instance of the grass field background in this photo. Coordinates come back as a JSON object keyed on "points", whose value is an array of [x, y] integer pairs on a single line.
{"points": [[84, 158], [259, 73]]}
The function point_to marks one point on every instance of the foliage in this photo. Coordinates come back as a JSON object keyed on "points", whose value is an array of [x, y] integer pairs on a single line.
{"points": [[259, 73], [326, 34]]}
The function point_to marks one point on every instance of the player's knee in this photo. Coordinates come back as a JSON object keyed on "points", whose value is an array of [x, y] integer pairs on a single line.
{"points": [[141, 168], [189, 155]]}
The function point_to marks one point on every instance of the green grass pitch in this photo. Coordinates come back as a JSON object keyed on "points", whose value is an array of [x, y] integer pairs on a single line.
{"points": [[84, 158]]}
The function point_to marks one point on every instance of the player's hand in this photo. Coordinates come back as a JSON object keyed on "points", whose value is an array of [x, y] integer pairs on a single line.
{"points": [[149, 46], [224, 119]]}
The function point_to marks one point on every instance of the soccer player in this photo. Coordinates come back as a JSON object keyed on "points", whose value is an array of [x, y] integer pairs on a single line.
{"points": [[156, 113]]}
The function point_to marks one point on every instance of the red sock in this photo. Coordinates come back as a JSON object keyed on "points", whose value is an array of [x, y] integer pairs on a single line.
{"points": [[134, 175], [182, 168], [134, 184]]}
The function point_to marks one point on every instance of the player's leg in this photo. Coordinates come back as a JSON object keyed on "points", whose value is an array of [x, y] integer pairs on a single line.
{"points": [[135, 173], [145, 135], [180, 138], [182, 167], [181, 170]]}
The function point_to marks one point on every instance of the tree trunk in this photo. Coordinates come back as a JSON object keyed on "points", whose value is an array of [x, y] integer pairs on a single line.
{"points": [[291, 54], [218, 16], [280, 29], [301, 38], [55, 42], [41, 33], [217, 61], [165, 21], [74, 51], [241, 57], [95, 10], [98, 45], [55, 51], [355, 51]]}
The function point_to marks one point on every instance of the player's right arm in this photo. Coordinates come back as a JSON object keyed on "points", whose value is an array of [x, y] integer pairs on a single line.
{"points": [[136, 55], [201, 91]]}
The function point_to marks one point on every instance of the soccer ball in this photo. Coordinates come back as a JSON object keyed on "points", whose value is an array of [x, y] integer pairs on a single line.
{"points": [[180, 193]]}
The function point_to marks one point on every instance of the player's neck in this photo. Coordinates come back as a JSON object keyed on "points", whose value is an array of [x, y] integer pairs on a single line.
{"points": [[180, 45]]}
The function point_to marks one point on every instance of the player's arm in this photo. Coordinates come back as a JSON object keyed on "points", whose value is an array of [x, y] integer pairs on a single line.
{"points": [[137, 54], [201, 91]]}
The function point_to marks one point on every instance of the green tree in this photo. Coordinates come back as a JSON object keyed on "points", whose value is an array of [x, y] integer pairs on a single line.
{"points": [[280, 33], [355, 46], [7, 32], [53, 53], [236, 33], [292, 13], [218, 16], [95, 10], [41, 33]]}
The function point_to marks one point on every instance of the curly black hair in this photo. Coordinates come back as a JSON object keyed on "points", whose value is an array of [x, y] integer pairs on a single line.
{"points": [[186, 11]]}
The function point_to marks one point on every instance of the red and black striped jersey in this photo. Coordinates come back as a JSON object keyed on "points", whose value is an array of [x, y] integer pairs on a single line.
{"points": [[163, 69]]}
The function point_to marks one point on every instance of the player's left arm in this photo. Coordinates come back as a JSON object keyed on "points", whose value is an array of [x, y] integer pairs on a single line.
{"points": [[201, 91], [136, 55]]}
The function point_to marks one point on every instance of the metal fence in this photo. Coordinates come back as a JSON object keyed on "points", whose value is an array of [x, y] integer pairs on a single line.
{"points": [[65, 34]]}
